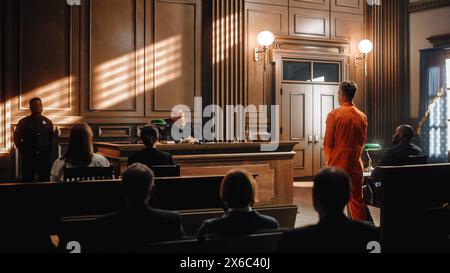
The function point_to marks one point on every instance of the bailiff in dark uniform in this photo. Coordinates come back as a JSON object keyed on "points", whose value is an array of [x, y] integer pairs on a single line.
{"points": [[33, 138]]}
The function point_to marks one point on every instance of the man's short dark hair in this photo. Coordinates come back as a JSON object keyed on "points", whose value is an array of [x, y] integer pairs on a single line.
{"points": [[238, 189], [33, 100], [349, 89], [332, 190], [149, 135], [137, 183], [408, 132]]}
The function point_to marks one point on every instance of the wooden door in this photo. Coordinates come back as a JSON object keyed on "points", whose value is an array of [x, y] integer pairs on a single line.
{"points": [[297, 124], [325, 101]]}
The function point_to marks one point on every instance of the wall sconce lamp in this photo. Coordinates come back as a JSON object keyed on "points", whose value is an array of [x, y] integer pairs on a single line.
{"points": [[365, 47], [265, 40]]}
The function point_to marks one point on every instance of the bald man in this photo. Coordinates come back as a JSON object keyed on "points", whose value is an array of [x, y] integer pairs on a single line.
{"points": [[399, 154], [343, 145]]}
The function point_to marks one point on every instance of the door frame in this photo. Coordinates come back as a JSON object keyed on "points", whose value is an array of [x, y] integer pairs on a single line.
{"points": [[279, 55]]}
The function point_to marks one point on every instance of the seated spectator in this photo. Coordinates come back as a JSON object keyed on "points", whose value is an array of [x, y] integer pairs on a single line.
{"points": [[238, 193], [150, 156], [334, 233], [138, 223], [80, 153], [398, 154]]}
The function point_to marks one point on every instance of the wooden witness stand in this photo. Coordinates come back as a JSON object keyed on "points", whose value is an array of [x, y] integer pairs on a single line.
{"points": [[274, 169]]}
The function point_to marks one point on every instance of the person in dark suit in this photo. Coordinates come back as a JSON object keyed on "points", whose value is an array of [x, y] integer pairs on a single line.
{"points": [[399, 154], [138, 223], [238, 193], [334, 233], [33, 138], [150, 156]]}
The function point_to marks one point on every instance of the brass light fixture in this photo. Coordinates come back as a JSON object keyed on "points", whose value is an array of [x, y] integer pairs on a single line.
{"points": [[265, 40], [365, 47]]}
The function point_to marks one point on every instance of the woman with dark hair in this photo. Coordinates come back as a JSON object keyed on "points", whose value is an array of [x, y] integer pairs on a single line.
{"points": [[238, 192], [151, 156], [80, 153]]}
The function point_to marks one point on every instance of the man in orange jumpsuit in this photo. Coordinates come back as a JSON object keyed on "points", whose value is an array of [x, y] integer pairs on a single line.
{"points": [[344, 143]]}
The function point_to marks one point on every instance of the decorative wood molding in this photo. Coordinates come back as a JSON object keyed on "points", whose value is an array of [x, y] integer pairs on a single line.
{"points": [[427, 4], [340, 45], [440, 40], [114, 131]]}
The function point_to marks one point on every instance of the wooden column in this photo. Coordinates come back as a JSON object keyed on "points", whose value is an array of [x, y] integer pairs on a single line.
{"points": [[228, 53], [388, 80]]}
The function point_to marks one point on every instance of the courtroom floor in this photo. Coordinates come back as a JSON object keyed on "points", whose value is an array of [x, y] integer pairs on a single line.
{"points": [[307, 215]]}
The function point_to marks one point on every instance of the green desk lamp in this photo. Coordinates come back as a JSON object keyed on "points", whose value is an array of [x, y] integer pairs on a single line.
{"points": [[159, 122], [371, 147]]}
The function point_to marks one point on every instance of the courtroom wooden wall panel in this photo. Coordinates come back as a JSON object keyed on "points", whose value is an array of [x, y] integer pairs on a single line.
{"points": [[112, 38], [350, 28], [259, 18], [350, 6], [173, 55], [388, 80], [47, 56], [5, 156], [2, 80], [309, 23], [270, 2], [311, 4], [228, 59]]}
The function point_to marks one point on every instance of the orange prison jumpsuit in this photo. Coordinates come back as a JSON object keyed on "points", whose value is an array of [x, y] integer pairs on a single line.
{"points": [[343, 146]]}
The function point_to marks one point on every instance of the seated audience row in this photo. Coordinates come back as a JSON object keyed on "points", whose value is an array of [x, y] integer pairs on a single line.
{"points": [[80, 152], [141, 224]]}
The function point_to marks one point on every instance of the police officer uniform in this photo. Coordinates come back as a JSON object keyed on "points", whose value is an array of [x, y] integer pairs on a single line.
{"points": [[33, 138]]}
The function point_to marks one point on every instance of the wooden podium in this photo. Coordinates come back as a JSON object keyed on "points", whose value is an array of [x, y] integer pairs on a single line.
{"points": [[274, 169]]}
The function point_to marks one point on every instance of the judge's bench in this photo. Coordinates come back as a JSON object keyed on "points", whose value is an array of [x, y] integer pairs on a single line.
{"points": [[273, 170]]}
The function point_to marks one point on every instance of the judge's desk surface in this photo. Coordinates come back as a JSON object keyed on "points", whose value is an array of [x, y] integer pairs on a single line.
{"points": [[274, 169]]}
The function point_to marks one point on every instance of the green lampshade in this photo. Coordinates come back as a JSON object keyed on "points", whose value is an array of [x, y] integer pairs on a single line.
{"points": [[159, 122], [372, 147]]}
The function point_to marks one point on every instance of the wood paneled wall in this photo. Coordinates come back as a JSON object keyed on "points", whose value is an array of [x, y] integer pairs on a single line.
{"points": [[2, 82], [388, 80], [116, 64], [228, 53], [5, 157], [130, 59], [259, 17], [323, 20]]}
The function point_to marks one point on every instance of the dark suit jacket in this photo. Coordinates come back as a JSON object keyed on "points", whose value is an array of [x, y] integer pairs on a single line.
{"points": [[238, 223], [331, 235], [138, 225], [34, 134], [151, 157], [397, 156]]}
